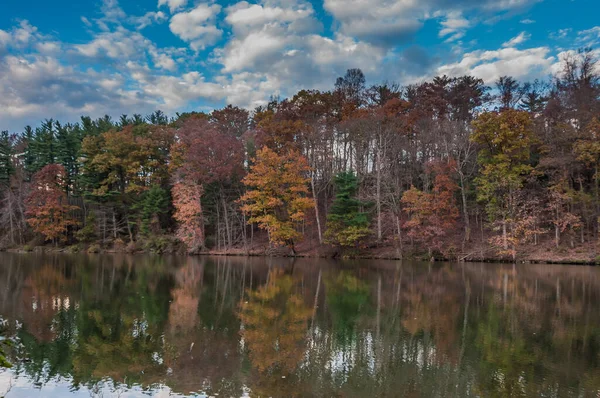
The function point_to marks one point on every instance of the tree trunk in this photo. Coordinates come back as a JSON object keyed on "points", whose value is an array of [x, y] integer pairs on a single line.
{"points": [[504, 235], [556, 232], [463, 195], [114, 220], [399, 233], [129, 230], [226, 217], [316, 203], [379, 233]]}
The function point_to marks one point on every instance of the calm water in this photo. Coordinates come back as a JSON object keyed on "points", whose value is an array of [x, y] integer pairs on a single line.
{"points": [[129, 326]]}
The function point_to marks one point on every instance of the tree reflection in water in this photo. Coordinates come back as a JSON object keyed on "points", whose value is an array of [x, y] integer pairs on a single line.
{"points": [[279, 327]]}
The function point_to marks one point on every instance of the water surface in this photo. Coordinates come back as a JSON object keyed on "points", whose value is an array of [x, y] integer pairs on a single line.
{"points": [[138, 326]]}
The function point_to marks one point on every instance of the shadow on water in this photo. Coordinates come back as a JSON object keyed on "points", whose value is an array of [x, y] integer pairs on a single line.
{"points": [[132, 325]]}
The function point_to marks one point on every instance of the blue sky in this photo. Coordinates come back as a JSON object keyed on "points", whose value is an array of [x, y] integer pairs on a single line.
{"points": [[66, 58]]}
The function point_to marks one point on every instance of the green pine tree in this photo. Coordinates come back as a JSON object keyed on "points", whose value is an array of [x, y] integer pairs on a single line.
{"points": [[6, 162], [347, 225], [88, 234], [68, 145], [153, 204]]}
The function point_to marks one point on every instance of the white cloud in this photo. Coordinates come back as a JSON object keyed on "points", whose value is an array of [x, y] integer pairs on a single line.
{"points": [[112, 14], [382, 22], [197, 26], [502, 5], [490, 65], [453, 26], [4, 39], [163, 61], [392, 22], [118, 44], [148, 19], [519, 39], [589, 37], [175, 92], [527, 21], [560, 34], [86, 21], [172, 4], [39, 86], [243, 16], [244, 53]]}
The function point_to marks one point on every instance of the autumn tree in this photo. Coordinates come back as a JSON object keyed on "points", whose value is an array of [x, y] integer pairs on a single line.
{"points": [[118, 166], [505, 140], [587, 151], [347, 224], [47, 204], [560, 203], [277, 196], [207, 155], [433, 215], [188, 214]]}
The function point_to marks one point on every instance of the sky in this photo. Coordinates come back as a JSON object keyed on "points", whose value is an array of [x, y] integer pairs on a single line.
{"points": [[63, 58]]}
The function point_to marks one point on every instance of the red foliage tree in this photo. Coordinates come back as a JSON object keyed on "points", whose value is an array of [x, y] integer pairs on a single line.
{"points": [[205, 153], [432, 216]]}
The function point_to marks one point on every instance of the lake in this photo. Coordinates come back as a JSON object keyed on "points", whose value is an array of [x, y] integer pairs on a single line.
{"points": [[137, 326]]}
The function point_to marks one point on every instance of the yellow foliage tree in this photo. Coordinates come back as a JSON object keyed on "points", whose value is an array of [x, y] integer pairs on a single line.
{"points": [[277, 199]]}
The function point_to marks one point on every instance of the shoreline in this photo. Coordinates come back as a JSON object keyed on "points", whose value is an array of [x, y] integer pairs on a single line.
{"points": [[325, 254]]}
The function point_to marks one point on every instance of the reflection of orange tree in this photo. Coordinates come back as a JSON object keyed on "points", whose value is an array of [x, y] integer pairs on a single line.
{"points": [[183, 311], [274, 322]]}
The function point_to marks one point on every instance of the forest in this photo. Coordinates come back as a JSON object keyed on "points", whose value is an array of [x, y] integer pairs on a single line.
{"points": [[447, 168]]}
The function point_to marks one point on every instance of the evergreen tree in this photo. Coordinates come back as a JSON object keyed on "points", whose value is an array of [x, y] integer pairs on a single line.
{"points": [[68, 145], [28, 154], [6, 153], [88, 232], [43, 146], [154, 203], [347, 225]]}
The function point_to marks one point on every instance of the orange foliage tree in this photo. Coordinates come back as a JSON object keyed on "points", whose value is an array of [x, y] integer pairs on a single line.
{"points": [[277, 196], [47, 206], [188, 213], [432, 216]]}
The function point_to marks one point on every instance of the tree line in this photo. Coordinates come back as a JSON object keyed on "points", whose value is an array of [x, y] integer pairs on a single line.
{"points": [[431, 167]]}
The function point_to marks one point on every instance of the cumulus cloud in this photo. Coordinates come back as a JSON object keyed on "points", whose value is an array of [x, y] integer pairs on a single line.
{"points": [[276, 47], [589, 37], [118, 44], [392, 22], [490, 65], [197, 26], [519, 39], [383, 22], [172, 4], [454, 26], [39, 86], [148, 19], [245, 14]]}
